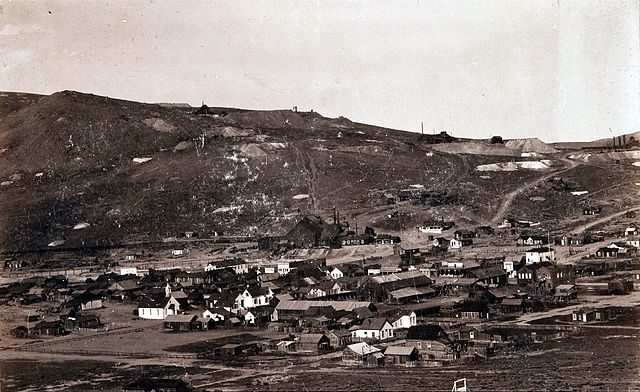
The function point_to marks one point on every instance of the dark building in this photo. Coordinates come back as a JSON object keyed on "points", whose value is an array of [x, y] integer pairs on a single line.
{"points": [[157, 385], [311, 231]]}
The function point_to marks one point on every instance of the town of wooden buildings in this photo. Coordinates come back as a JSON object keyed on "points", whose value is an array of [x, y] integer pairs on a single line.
{"points": [[428, 308]]}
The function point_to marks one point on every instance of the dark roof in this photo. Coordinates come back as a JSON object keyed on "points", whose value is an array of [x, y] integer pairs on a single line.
{"points": [[474, 306], [49, 324], [153, 302], [387, 236], [540, 250], [257, 291], [81, 299], [312, 338], [326, 232], [486, 272], [512, 301], [427, 332], [157, 384], [374, 323]]}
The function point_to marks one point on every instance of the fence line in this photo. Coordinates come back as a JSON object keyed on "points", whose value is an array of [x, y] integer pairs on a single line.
{"points": [[108, 353]]}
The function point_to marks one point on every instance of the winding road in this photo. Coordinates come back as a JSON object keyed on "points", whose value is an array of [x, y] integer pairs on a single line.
{"points": [[510, 197]]}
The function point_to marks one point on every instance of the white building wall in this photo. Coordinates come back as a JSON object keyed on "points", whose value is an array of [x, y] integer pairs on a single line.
{"points": [[151, 313]]}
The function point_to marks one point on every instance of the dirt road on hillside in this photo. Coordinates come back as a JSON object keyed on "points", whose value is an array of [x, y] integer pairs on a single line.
{"points": [[510, 197], [603, 219]]}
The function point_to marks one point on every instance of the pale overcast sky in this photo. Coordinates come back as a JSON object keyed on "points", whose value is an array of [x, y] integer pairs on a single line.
{"points": [[558, 70]]}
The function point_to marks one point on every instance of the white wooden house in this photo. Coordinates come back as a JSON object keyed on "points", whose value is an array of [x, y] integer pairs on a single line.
{"points": [[373, 328], [253, 297], [538, 255], [404, 321], [336, 273], [158, 310]]}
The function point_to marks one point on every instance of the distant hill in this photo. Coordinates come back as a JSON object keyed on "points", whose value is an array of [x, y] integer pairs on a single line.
{"points": [[80, 169], [600, 143]]}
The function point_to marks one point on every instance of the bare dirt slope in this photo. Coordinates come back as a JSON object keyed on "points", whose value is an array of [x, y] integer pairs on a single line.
{"points": [[134, 171], [530, 145]]}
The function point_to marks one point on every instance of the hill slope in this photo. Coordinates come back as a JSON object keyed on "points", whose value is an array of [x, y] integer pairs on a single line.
{"points": [[83, 169]]}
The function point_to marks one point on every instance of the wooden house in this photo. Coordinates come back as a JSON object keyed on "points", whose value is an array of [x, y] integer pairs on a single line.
{"points": [[490, 275], [158, 308], [51, 328], [532, 240], [591, 210], [237, 349], [401, 355], [339, 338], [512, 306], [380, 286], [410, 294], [373, 328], [85, 301], [607, 253], [475, 335], [387, 239], [587, 314], [464, 234], [294, 310], [435, 227], [363, 354], [539, 255], [182, 323], [313, 342], [565, 293], [457, 243], [433, 343], [474, 311], [620, 286], [350, 240], [157, 385]]}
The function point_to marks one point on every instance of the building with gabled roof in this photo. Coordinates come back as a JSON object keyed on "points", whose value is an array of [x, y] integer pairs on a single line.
{"points": [[401, 355], [182, 323], [539, 255], [294, 309], [158, 308], [363, 354], [373, 328], [252, 297]]}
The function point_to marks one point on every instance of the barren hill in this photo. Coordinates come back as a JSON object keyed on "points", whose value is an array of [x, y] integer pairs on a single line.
{"points": [[78, 169]]}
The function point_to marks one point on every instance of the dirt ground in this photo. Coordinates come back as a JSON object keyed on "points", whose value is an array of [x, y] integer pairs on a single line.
{"points": [[594, 360]]}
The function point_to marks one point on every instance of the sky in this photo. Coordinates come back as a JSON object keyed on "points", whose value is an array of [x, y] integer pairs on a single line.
{"points": [[557, 70]]}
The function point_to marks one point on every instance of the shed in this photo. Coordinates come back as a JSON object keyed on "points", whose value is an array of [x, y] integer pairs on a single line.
{"points": [[400, 355], [182, 323], [314, 342]]}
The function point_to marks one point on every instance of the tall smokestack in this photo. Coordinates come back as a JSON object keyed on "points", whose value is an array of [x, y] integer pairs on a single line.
{"points": [[422, 127]]}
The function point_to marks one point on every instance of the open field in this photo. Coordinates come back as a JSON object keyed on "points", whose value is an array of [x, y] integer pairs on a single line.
{"points": [[594, 360]]}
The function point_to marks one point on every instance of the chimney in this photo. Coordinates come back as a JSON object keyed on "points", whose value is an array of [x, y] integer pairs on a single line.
{"points": [[422, 127]]}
